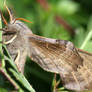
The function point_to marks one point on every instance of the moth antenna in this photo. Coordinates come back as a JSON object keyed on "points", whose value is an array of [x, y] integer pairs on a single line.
{"points": [[3, 18], [9, 12], [23, 20], [12, 18]]}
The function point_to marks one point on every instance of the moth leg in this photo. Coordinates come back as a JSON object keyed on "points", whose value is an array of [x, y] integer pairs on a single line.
{"points": [[20, 61], [17, 59], [11, 40]]}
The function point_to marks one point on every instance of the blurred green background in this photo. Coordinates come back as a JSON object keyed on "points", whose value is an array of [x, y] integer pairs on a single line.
{"points": [[60, 19]]}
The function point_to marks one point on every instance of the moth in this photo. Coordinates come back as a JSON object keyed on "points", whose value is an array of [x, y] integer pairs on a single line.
{"points": [[53, 55]]}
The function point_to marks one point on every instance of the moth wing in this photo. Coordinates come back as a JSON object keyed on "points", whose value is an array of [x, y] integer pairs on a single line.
{"points": [[87, 58], [54, 55], [81, 79]]}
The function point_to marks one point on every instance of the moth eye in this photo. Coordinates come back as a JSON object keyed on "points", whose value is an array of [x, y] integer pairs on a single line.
{"points": [[6, 28]]}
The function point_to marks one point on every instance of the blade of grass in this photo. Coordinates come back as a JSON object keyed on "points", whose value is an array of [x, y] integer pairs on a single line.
{"points": [[22, 80], [1, 55], [4, 72], [0, 35], [11, 63], [6, 51], [86, 39], [9, 58]]}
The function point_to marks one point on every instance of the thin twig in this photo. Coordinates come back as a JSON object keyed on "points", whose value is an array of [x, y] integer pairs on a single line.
{"points": [[61, 21], [9, 78], [58, 19], [44, 4]]}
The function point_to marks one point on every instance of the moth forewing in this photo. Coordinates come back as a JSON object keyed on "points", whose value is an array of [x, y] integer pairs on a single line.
{"points": [[51, 54]]}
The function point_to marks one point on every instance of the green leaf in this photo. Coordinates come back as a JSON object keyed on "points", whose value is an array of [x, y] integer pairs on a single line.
{"points": [[22, 80], [67, 7], [11, 62], [79, 37], [87, 41], [3, 90]]}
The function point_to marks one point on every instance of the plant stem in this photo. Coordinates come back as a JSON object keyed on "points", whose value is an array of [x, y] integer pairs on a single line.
{"points": [[1, 52], [0, 35], [2, 70], [86, 39]]}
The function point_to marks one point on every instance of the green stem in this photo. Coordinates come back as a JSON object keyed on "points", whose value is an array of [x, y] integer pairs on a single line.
{"points": [[86, 39], [0, 35], [1, 52]]}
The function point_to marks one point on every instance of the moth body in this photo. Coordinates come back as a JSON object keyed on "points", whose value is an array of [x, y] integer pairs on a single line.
{"points": [[19, 44]]}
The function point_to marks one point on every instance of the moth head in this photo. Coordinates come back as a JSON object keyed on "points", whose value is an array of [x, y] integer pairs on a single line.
{"points": [[14, 25], [10, 28]]}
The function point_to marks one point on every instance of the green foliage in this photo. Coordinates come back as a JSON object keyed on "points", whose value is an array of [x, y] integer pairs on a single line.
{"points": [[0, 36], [62, 5], [3, 90], [75, 13]]}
